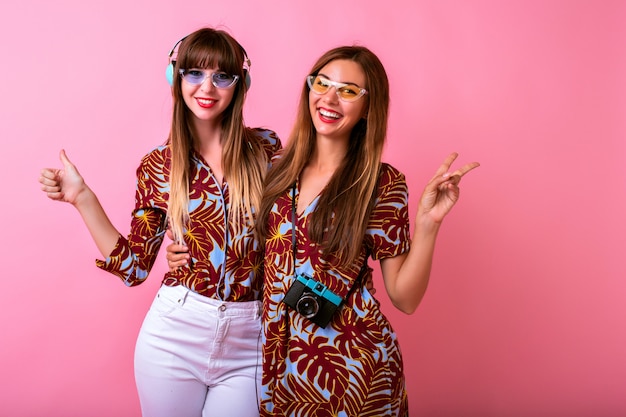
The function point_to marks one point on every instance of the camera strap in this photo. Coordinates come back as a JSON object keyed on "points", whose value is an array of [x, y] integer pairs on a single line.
{"points": [[294, 244]]}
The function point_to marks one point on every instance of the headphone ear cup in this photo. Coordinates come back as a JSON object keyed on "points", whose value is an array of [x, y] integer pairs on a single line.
{"points": [[169, 74], [248, 80]]}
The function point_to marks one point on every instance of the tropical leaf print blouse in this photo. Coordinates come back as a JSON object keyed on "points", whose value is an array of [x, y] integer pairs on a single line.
{"points": [[353, 367], [223, 262]]}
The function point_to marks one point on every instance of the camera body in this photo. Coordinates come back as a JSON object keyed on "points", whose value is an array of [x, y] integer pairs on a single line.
{"points": [[312, 299]]}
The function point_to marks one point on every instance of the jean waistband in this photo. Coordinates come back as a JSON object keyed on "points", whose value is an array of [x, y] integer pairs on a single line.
{"points": [[185, 296]]}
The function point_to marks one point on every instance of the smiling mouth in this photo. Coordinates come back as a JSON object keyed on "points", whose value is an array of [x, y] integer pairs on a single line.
{"points": [[205, 101], [329, 114]]}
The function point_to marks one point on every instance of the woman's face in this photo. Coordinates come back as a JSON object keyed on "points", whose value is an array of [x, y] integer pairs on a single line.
{"points": [[332, 117], [206, 101]]}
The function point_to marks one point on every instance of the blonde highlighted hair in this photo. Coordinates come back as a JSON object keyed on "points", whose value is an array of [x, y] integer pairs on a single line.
{"points": [[340, 219], [244, 159]]}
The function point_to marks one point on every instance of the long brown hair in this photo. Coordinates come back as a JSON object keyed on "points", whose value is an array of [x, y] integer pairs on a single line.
{"points": [[243, 158], [341, 215]]}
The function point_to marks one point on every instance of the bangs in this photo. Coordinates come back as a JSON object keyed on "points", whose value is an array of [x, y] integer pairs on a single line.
{"points": [[210, 52]]}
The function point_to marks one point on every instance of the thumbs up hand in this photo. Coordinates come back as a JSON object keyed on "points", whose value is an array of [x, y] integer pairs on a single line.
{"points": [[64, 184]]}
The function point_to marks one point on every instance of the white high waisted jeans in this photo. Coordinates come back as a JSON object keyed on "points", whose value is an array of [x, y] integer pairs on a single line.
{"points": [[199, 357]]}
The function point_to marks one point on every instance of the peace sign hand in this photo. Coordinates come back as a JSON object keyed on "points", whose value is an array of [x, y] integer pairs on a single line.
{"points": [[442, 191]]}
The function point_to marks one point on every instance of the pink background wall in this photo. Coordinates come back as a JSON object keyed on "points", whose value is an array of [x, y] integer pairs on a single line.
{"points": [[525, 311]]}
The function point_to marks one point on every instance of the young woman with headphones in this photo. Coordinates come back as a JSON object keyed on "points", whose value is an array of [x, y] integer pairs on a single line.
{"points": [[198, 351]]}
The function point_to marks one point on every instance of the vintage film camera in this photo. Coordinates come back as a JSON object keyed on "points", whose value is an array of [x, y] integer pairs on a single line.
{"points": [[312, 300]]}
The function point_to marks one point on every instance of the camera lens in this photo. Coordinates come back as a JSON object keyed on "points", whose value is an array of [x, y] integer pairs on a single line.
{"points": [[308, 306]]}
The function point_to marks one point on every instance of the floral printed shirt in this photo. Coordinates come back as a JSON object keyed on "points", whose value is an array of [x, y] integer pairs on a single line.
{"points": [[353, 367], [224, 262]]}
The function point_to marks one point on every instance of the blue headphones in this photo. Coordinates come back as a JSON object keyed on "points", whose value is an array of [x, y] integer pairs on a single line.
{"points": [[169, 71]]}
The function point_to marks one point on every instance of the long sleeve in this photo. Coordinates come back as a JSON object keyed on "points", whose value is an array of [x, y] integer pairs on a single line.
{"points": [[133, 257]]}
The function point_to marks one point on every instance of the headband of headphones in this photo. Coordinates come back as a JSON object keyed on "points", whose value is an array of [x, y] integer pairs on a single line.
{"points": [[169, 71]]}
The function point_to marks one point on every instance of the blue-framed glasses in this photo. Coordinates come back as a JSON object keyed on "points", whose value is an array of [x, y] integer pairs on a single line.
{"points": [[218, 79]]}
